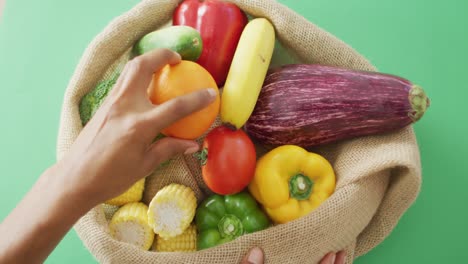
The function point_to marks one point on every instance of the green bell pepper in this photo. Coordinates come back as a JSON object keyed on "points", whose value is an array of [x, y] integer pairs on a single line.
{"points": [[221, 219]]}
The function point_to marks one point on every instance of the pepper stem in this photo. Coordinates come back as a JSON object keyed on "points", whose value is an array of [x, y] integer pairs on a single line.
{"points": [[300, 187], [202, 156], [419, 102], [230, 226]]}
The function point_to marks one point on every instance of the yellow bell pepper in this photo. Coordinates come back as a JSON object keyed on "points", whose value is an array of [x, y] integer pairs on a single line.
{"points": [[291, 182]]}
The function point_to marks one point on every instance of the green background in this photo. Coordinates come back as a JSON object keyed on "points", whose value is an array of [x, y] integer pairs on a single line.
{"points": [[425, 41]]}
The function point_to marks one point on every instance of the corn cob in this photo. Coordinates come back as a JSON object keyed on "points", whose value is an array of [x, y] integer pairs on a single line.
{"points": [[185, 242], [172, 210], [130, 225], [132, 195]]}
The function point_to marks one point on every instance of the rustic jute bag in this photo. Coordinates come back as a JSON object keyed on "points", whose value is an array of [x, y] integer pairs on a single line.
{"points": [[378, 177]]}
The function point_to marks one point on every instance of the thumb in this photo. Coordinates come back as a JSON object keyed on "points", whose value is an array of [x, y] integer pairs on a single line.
{"points": [[255, 256], [166, 148]]}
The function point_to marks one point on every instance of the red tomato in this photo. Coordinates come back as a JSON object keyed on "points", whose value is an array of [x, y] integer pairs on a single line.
{"points": [[228, 160]]}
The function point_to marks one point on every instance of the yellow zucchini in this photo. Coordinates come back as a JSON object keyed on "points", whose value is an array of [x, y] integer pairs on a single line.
{"points": [[247, 72]]}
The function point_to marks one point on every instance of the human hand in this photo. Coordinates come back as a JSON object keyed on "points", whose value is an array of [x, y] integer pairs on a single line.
{"points": [[115, 149], [334, 258], [256, 256]]}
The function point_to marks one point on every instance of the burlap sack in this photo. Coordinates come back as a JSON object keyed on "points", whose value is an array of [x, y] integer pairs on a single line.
{"points": [[378, 177]]}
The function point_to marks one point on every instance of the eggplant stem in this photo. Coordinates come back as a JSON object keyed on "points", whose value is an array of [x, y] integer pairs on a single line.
{"points": [[419, 102]]}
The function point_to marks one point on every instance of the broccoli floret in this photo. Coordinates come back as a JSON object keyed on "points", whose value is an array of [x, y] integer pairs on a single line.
{"points": [[91, 102]]}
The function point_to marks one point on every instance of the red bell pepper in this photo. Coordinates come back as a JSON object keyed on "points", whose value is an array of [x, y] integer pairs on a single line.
{"points": [[220, 25]]}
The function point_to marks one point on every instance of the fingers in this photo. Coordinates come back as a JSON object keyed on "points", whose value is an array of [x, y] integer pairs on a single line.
{"points": [[329, 258], [166, 148], [138, 72], [340, 257], [255, 256], [334, 258], [171, 111]]}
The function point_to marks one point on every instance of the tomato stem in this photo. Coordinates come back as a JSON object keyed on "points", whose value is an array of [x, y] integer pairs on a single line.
{"points": [[202, 156]]}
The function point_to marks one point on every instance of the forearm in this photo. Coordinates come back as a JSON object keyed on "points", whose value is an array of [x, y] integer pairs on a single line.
{"points": [[114, 150], [41, 220]]}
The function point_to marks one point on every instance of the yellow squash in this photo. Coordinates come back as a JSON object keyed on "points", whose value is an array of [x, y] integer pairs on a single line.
{"points": [[247, 72], [291, 182]]}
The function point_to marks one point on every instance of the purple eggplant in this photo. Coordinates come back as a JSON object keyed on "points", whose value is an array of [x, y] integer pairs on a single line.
{"points": [[309, 105]]}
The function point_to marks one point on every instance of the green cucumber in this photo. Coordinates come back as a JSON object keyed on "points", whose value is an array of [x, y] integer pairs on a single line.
{"points": [[182, 39]]}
